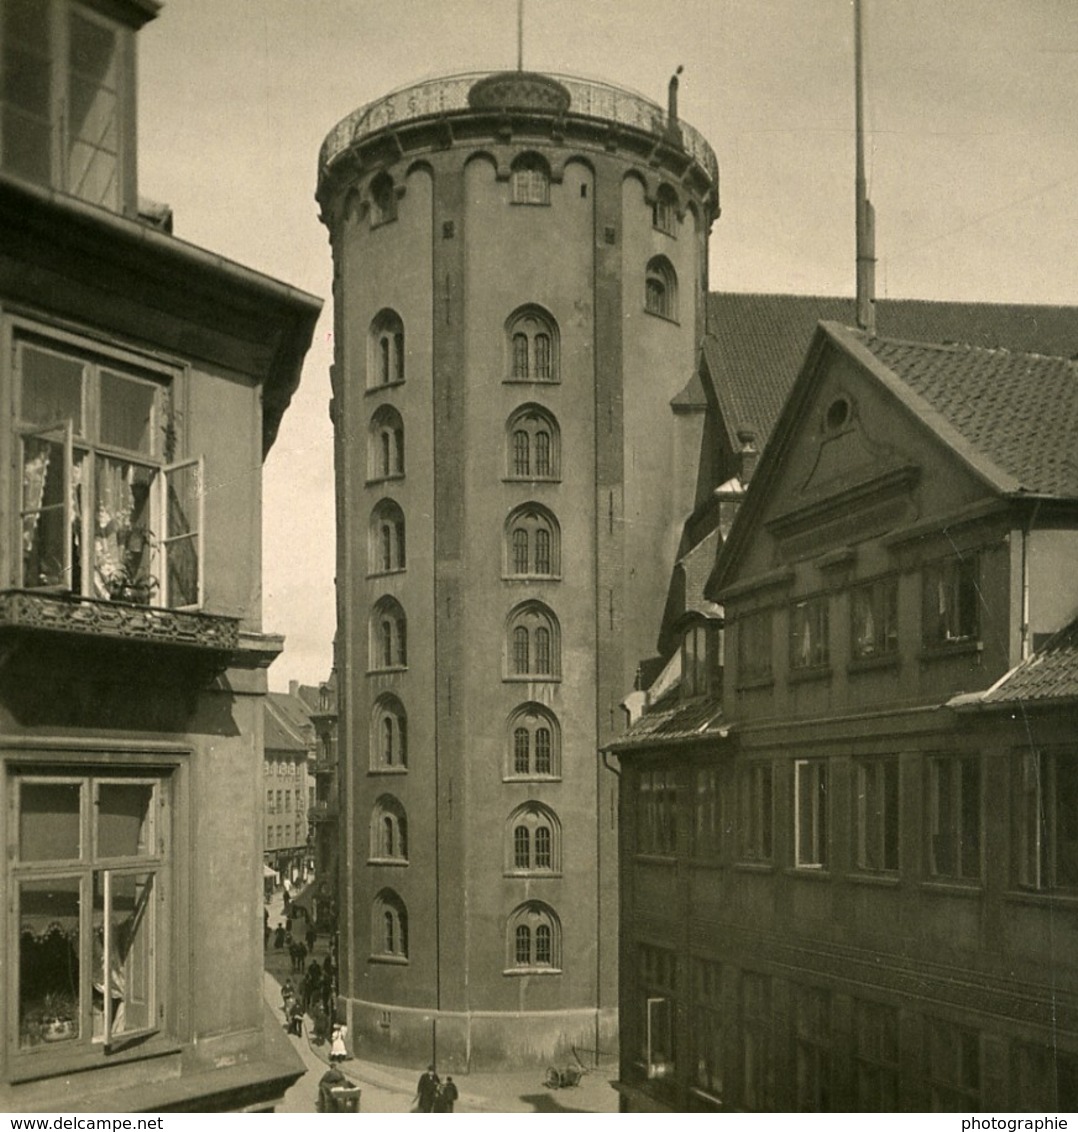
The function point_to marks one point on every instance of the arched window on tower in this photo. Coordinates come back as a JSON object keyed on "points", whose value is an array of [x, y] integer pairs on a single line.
{"points": [[660, 288], [532, 340], [389, 734], [383, 200], [385, 355], [530, 177], [386, 549], [388, 636], [664, 211], [389, 927], [389, 831], [533, 939], [386, 445], [533, 840], [533, 445], [533, 643], [533, 543]]}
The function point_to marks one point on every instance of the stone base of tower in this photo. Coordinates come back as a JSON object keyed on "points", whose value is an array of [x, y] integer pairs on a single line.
{"points": [[460, 1042]]}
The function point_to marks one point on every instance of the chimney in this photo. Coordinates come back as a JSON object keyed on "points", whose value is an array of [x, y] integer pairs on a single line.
{"points": [[671, 100], [293, 687], [748, 454]]}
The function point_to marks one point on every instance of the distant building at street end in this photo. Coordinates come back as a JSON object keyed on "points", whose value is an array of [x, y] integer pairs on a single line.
{"points": [[143, 381], [288, 761], [848, 852], [520, 275], [324, 810]]}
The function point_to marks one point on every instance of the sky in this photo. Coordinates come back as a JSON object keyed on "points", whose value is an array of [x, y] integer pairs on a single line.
{"points": [[971, 157]]}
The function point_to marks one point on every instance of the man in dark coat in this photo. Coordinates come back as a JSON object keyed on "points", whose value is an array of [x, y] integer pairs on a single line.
{"points": [[427, 1090]]}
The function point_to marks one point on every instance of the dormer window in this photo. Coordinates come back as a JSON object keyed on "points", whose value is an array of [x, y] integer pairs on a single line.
{"points": [[699, 659], [65, 99]]}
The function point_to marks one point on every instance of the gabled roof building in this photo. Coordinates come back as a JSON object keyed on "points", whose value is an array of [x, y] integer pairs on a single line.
{"points": [[854, 886]]}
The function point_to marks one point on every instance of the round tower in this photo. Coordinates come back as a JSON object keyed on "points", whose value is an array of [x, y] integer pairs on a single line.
{"points": [[520, 268]]}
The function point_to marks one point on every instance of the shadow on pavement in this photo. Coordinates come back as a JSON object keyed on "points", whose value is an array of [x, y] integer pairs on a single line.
{"points": [[545, 1102]]}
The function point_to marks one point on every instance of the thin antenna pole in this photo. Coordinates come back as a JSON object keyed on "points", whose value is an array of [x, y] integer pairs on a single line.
{"points": [[866, 219], [520, 35]]}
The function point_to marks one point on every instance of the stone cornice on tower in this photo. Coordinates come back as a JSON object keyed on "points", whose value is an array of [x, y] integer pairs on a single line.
{"points": [[503, 106]]}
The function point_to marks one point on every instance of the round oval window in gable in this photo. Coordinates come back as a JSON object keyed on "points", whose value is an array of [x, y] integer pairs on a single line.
{"points": [[838, 414]]}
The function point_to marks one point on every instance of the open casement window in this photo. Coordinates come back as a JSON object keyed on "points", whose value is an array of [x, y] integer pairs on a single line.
{"points": [[810, 813], [1047, 820], [88, 877], [103, 514]]}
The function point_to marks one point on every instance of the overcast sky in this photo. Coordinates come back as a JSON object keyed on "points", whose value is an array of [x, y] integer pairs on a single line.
{"points": [[972, 162]]}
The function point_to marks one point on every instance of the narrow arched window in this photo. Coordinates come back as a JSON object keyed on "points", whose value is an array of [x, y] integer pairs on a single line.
{"points": [[542, 551], [388, 841], [389, 734], [664, 211], [532, 337], [383, 200], [542, 750], [387, 547], [387, 741], [398, 450], [389, 927], [522, 847], [532, 546], [543, 946], [387, 462], [542, 848], [385, 351], [520, 551], [389, 647], [521, 448], [534, 938], [660, 288], [389, 939], [520, 651], [520, 357], [532, 444], [534, 834], [542, 454], [542, 651], [521, 750], [532, 743], [532, 642], [542, 357]]}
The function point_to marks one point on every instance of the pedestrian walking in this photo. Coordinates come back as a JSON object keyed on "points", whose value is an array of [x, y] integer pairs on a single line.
{"points": [[427, 1090], [448, 1095], [337, 1049], [278, 936], [312, 939]]}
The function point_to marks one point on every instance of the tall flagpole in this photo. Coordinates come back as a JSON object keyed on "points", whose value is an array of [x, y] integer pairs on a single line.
{"points": [[866, 218], [520, 35]]}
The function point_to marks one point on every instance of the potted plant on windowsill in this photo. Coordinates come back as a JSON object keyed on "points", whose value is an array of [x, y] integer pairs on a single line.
{"points": [[59, 1016]]}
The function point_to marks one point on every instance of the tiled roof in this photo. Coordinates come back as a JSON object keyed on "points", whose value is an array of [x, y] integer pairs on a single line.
{"points": [[696, 719], [277, 737], [1051, 673], [755, 344], [287, 722], [1018, 410]]}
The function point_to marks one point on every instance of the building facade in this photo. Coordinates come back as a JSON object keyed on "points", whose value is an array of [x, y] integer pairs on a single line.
{"points": [[324, 809], [848, 867], [289, 752], [520, 265], [139, 374]]}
